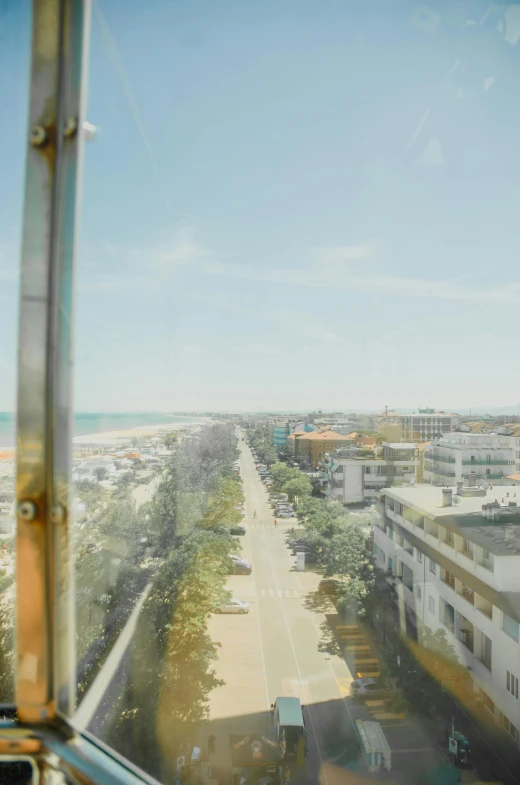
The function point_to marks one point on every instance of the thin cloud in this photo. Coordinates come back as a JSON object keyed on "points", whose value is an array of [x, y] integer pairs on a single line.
{"points": [[258, 349]]}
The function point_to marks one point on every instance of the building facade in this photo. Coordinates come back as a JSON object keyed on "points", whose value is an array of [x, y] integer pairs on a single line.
{"points": [[454, 556], [353, 479], [311, 447], [485, 458]]}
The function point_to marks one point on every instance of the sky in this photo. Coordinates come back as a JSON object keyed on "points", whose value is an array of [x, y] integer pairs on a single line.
{"points": [[288, 204]]}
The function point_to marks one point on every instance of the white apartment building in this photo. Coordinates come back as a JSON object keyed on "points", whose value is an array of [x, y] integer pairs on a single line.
{"points": [[351, 479], [425, 425], [456, 557], [457, 457]]}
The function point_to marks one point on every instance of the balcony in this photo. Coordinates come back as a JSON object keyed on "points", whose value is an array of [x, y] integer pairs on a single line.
{"points": [[436, 457], [483, 462], [466, 633], [443, 472], [494, 476]]}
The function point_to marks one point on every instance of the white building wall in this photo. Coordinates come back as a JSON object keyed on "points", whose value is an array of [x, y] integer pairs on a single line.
{"points": [[505, 650], [353, 483]]}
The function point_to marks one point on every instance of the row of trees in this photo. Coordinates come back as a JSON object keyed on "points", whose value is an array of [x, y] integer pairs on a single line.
{"points": [[260, 445], [170, 674], [344, 545]]}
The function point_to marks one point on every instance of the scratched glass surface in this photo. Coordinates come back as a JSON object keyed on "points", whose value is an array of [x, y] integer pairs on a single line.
{"points": [[297, 429]]}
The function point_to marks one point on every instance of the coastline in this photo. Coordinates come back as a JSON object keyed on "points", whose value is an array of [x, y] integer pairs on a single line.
{"points": [[137, 431], [8, 451]]}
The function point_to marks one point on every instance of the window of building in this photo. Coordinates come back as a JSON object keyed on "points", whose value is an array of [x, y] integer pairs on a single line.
{"points": [[367, 469], [510, 728], [382, 556], [391, 533], [376, 549], [433, 566], [418, 592], [510, 626], [431, 604], [419, 555], [512, 684], [390, 564]]}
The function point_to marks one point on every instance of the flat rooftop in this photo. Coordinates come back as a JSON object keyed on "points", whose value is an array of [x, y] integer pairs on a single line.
{"points": [[500, 536], [400, 445]]}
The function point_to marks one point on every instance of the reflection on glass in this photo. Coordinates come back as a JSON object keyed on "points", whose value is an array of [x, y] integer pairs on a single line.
{"points": [[15, 46], [295, 213]]}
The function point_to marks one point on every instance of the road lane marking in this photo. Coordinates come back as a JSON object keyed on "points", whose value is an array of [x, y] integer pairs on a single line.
{"points": [[287, 593], [271, 593], [279, 593], [262, 593]]}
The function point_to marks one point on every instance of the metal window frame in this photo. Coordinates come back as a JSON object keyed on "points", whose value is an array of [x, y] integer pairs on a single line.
{"points": [[42, 730], [45, 673]]}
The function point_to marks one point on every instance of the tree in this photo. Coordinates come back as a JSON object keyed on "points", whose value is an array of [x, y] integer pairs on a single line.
{"points": [[221, 507], [297, 487], [281, 473]]}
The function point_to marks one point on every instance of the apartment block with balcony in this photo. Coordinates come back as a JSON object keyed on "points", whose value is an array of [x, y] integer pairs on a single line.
{"points": [[454, 555], [352, 479], [463, 457]]}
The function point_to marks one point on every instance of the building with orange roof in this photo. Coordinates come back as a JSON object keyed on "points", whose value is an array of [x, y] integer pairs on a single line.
{"points": [[313, 446]]}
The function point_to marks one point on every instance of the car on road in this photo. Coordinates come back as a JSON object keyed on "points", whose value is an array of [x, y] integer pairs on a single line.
{"points": [[232, 606], [329, 586], [241, 568], [369, 686]]}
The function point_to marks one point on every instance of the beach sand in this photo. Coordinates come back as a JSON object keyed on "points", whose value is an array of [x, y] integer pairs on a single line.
{"points": [[139, 432]]}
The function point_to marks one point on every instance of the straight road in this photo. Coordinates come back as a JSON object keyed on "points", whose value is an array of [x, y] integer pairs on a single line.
{"points": [[275, 650]]}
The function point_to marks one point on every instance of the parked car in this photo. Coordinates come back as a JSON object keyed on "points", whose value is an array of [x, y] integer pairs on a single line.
{"points": [[369, 686], [232, 606], [297, 541], [328, 586], [284, 514], [239, 568], [238, 559], [237, 530], [302, 549]]}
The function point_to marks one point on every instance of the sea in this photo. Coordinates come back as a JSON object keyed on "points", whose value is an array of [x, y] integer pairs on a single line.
{"points": [[96, 422]]}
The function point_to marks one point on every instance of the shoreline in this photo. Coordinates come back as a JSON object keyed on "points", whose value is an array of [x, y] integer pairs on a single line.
{"points": [[8, 451], [143, 431]]}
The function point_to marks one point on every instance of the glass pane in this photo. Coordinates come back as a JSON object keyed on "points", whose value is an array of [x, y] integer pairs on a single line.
{"points": [[299, 223], [15, 41]]}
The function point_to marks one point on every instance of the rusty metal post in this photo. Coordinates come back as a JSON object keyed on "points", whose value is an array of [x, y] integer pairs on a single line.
{"points": [[45, 672]]}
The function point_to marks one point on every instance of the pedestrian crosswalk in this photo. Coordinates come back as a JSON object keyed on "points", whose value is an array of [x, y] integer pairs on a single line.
{"points": [[287, 594]]}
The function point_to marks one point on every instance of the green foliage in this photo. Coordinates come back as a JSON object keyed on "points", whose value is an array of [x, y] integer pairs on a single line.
{"points": [[343, 548], [263, 448], [281, 473], [172, 650], [297, 487], [221, 507]]}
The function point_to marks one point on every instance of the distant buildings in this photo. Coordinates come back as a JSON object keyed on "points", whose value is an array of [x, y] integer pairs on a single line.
{"points": [[454, 557], [353, 479], [421, 426], [279, 428], [486, 458], [311, 447]]}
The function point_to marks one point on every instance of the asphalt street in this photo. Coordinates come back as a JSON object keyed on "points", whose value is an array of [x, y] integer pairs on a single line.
{"points": [[285, 647]]}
